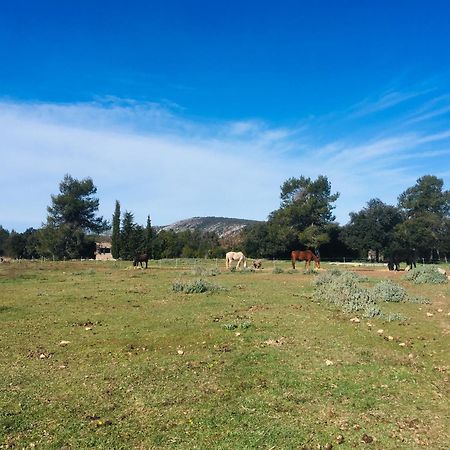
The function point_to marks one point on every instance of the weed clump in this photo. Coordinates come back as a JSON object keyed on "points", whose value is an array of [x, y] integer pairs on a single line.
{"points": [[388, 291], [195, 287], [344, 290], [277, 270], [203, 272], [426, 274], [234, 326]]}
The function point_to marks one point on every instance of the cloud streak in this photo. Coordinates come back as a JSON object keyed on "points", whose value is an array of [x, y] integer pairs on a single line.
{"points": [[155, 161]]}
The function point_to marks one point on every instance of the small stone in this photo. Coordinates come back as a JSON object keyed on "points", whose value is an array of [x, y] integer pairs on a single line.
{"points": [[367, 439], [340, 439], [355, 320], [380, 331], [402, 344], [328, 362], [88, 328], [390, 338], [440, 310], [64, 343], [237, 334], [180, 352], [429, 314]]}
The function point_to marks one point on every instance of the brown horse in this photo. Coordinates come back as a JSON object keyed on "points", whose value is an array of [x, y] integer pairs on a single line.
{"points": [[305, 255]]}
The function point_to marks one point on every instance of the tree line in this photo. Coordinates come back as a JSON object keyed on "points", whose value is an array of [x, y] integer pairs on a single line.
{"points": [[420, 220]]}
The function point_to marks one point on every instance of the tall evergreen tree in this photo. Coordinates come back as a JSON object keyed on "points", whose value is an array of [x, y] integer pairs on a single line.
{"points": [[115, 237], [71, 217], [149, 238], [126, 236]]}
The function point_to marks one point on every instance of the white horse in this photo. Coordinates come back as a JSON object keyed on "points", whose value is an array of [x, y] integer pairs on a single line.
{"points": [[235, 256]]}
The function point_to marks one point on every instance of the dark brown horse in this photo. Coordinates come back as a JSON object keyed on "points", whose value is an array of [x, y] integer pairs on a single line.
{"points": [[305, 255], [139, 259]]}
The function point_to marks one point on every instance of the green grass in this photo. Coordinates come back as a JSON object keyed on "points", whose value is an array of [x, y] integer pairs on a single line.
{"points": [[261, 363]]}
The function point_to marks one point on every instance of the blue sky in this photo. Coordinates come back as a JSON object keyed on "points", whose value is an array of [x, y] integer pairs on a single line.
{"points": [[194, 108]]}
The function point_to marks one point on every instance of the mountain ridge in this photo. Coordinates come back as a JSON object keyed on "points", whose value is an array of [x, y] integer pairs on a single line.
{"points": [[224, 227]]}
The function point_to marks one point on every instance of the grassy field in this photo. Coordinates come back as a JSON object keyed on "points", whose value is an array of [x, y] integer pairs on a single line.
{"points": [[101, 355]]}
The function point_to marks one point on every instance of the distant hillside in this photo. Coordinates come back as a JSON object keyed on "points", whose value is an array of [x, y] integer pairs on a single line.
{"points": [[224, 227]]}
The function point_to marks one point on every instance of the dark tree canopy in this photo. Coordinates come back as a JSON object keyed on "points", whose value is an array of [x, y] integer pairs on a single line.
{"points": [[372, 228], [75, 206], [426, 207], [426, 196], [70, 217], [302, 219], [305, 202]]}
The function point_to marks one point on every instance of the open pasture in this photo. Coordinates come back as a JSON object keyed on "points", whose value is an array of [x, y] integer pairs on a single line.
{"points": [[103, 355]]}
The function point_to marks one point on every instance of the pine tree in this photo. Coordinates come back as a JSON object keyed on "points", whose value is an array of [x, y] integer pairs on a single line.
{"points": [[72, 219]]}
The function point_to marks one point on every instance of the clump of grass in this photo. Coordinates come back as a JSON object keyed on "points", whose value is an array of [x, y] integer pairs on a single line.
{"points": [[394, 317], [195, 287], [426, 274], [419, 299], [84, 272], [310, 272], [277, 270], [292, 271], [234, 326], [388, 291], [202, 271]]}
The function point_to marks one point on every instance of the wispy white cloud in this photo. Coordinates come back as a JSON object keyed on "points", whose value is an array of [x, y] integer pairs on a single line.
{"points": [[155, 161], [385, 101]]}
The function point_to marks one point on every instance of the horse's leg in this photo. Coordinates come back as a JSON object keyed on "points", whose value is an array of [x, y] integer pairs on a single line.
{"points": [[293, 262], [238, 263]]}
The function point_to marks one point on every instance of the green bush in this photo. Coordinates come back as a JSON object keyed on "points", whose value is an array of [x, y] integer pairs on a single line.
{"points": [[426, 274], [195, 287], [343, 290], [387, 291]]}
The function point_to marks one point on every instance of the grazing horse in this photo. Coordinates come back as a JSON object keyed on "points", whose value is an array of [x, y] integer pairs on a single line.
{"points": [[235, 256], [305, 255], [257, 264], [402, 254], [139, 259]]}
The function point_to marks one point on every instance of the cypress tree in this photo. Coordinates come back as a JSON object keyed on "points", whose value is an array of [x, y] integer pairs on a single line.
{"points": [[115, 237], [149, 238]]}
